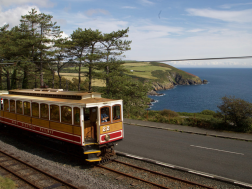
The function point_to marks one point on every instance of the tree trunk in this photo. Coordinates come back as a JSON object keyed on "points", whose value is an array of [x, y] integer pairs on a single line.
{"points": [[1, 86], [25, 79], [79, 76], [90, 79], [53, 79], [59, 80], [8, 80]]}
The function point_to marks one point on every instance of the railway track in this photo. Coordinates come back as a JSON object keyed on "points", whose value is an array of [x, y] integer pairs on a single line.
{"points": [[30, 176], [149, 177]]}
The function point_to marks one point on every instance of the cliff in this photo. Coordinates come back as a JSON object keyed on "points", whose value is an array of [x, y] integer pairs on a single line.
{"points": [[162, 76]]}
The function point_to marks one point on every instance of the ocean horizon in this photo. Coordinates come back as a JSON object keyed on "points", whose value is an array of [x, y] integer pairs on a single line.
{"points": [[196, 98]]}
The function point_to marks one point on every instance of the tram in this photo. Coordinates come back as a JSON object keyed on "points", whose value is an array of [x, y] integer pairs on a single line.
{"points": [[82, 120]]}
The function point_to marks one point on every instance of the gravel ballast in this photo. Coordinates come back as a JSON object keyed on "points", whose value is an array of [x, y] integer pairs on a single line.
{"points": [[86, 176]]}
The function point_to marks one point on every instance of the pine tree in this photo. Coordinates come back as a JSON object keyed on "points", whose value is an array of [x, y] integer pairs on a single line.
{"points": [[84, 52], [42, 31], [114, 46]]}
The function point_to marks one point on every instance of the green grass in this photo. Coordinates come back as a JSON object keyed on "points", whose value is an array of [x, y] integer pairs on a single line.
{"points": [[6, 183], [143, 69]]}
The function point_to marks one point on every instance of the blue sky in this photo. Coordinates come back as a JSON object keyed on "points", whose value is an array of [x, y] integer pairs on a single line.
{"points": [[159, 29]]}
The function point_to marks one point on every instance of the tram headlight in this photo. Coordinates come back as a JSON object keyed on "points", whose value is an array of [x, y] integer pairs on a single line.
{"points": [[107, 137]]}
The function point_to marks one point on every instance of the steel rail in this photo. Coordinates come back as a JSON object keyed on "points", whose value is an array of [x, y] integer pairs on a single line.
{"points": [[18, 176], [41, 171], [137, 178], [162, 174]]}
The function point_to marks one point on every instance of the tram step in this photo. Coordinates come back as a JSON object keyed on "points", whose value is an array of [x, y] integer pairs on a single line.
{"points": [[93, 159], [92, 151]]}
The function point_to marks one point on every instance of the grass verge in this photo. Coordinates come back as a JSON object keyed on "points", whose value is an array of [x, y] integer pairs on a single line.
{"points": [[6, 183]]}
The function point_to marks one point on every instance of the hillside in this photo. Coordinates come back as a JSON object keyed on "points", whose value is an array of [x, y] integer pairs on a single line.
{"points": [[162, 76]]}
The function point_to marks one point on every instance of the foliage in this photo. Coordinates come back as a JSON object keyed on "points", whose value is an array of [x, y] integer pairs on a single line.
{"points": [[208, 112], [237, 112], [170, 113], [6, 183], [133, 93]]}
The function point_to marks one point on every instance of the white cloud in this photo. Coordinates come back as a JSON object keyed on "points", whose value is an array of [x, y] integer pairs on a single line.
{"points": [[228, 6], [128, 7], [40, 3], [90, 12], [146, 2], [12, 16], [228, 16], [196, 30]]}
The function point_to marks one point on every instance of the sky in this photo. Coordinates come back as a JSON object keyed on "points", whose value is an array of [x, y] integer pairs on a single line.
{"points": [[159, 29]]}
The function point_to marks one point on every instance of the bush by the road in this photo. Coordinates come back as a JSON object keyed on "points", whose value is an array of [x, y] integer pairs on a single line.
{"points": [[236, 113]]}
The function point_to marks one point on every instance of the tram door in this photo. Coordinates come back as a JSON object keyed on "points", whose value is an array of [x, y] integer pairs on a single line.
{"points": [[90, 117]]}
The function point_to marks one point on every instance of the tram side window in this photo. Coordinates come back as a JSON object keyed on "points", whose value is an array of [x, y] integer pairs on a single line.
{"points": [[105, 115], [76, 116], [66, 114], [54, 112], [35, 109], [6, 105], [27, 108], [19, 107], [12, 106], [116, 112], [44, 111]]}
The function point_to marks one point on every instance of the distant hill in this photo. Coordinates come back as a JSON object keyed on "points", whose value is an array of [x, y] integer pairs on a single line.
{"points": [[162, 76]]}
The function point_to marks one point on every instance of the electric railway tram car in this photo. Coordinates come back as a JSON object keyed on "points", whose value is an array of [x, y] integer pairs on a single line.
{"points": [[80, 120]]}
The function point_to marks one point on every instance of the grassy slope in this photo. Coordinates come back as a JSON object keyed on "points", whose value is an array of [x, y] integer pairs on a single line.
{"points": [[141, 70]]}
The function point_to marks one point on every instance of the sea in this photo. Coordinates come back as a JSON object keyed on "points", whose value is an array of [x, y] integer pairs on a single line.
{"points": [[196, 98]]}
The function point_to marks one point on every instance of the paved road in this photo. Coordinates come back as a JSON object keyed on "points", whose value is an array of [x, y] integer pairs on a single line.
{"points": [[223, 157]]}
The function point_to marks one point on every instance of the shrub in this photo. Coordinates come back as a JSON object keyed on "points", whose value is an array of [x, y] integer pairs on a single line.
{"points": [[208, 112], [236, 111], [170, 113]]}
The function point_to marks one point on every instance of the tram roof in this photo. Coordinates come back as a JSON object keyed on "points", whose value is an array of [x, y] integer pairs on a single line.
{"points": [[84, 101]]}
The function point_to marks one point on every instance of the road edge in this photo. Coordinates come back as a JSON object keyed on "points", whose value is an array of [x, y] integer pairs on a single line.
{"points": [[215, 177], [190, 132]]}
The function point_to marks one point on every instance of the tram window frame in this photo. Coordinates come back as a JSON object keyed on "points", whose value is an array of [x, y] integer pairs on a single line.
{"points": [[6, 105], [35, 109], [51, 106], [25, 108], [78, 124], [13, 108], [70, 121], [120, 119], [18, 105], [107, 122], [41, 111]]}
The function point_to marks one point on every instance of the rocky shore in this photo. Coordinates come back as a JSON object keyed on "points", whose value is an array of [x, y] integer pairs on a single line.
{"points": [[172, 81]]}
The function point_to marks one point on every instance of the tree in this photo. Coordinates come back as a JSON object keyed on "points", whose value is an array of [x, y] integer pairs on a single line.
{"points": [[113, 46], [84, 52], [133, 93], [42, 33], [60, 54], [237, 111]]}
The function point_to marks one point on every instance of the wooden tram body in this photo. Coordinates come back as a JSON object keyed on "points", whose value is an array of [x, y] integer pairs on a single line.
{"points": [[81, 118]]}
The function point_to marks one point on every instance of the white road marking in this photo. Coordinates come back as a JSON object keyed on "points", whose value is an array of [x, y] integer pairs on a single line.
{"points": [[164, 164], [203, 174], [216, 149]]}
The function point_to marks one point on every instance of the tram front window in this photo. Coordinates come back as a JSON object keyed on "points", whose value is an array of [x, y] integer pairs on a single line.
{"points": [[117, 112], [105, 115]]}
